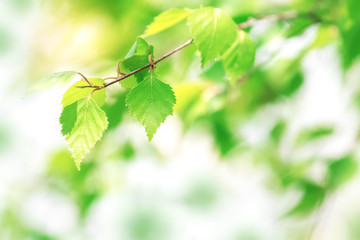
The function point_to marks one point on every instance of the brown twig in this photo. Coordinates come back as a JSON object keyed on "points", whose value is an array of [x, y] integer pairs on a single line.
{"points": [[249, 23], [108, 78]]}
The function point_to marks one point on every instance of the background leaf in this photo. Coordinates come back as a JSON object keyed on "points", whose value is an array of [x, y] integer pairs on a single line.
{"points": [[340, 171], [116, 109], [240, 57], [314, 133], [166, 20], [313, 195]]}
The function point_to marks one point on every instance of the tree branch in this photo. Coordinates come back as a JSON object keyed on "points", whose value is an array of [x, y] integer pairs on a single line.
{"points": [[273, 17], [248, 23]]}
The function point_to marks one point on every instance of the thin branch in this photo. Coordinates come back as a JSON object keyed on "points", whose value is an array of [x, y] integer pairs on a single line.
{"points": [[174, 51], [249, 23], [109, 78]]}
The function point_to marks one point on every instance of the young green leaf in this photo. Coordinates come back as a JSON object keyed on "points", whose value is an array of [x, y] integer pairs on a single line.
{"points": [[137, 57], [139, 48], [166, 20], [150, 102], [213, 31], [240, 56], [59, 78], [83, 124], [75, 92]]}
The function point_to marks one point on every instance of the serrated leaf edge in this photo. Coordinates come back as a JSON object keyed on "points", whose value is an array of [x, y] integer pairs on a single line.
{"points": [[142, 121], [78, 163]]}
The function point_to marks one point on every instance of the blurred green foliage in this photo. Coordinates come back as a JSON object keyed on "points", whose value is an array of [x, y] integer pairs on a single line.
{"points": [[61, 176], [145, 223], [202, 194], [205, 99], [5, 40]]}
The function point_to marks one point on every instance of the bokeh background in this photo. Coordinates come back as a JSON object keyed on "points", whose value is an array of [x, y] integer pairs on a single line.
{"points": [[274, 156]]}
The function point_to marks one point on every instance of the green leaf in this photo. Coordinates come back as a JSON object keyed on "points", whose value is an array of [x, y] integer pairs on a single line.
{"points": [[139, 48], [313, 196], [213, 32], [83, 124], [59, 78], [150, 102], [138, 56], [75, 92], [240, 57], [340, 171], [166, 20]]}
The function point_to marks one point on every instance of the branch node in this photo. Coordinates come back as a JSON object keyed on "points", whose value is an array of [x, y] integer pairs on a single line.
{"points": [[151, 61]]}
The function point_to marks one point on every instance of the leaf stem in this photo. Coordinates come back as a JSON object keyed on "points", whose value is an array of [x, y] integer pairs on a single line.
{"points": [[87, 80]]}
